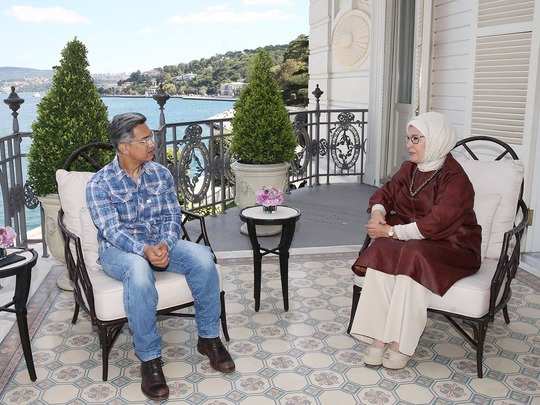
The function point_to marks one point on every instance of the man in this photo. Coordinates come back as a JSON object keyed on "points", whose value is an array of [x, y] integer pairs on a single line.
{"points": [[133, 203]]}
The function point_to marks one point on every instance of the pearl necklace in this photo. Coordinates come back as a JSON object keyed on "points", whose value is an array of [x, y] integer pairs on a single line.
{"points": [[413, 193]]}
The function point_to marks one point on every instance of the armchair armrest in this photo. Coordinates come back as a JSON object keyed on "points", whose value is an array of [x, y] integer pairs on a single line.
{"points": [[189, 216], [508, 262], [366, 243], [78, 273]]}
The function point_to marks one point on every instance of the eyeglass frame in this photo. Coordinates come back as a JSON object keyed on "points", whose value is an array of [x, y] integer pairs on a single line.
{"points": [[146, 141], [415, 139]]}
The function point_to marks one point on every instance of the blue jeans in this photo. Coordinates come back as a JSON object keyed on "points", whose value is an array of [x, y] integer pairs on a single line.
{"points": [[193, 260]]}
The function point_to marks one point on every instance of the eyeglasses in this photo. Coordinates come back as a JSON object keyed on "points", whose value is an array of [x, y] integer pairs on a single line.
{"points": [[415, 139], [146, 141]]}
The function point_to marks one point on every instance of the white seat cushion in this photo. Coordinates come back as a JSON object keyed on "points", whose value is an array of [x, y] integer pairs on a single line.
{"points": [[359, 280], [172, 290], [502, 177], [468, 296]]}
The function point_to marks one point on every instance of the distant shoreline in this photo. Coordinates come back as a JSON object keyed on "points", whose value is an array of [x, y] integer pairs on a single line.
{"points": [[203, 98]]}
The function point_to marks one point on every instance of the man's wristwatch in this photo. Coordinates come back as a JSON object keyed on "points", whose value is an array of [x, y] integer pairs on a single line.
{"points": [[391, 232]]}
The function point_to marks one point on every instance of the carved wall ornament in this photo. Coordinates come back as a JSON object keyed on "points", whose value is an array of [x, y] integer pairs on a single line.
{"points": [[350, 39]]}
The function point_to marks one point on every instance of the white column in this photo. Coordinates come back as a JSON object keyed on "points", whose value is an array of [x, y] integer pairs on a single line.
{"points": [[378, 97], [320, 22]]}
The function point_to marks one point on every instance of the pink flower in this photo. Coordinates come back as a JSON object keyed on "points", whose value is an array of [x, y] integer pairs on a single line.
{"points": [[269, 196], [7, 236]]}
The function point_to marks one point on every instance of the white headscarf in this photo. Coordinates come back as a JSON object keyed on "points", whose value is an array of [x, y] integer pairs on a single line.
{"points": [[439, 139]]}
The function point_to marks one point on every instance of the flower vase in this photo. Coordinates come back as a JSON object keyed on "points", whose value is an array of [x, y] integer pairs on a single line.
{"points": [[269, 209], [3, 253]]}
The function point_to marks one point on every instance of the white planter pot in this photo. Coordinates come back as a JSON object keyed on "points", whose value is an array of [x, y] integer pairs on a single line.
{"points": [[251, 178], [53, 237]]}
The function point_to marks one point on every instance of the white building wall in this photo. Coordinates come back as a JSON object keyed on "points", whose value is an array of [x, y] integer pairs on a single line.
{"points": [[339, 33]]}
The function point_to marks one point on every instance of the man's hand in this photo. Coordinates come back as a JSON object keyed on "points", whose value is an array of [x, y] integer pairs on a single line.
{"points": [[158, 255]]}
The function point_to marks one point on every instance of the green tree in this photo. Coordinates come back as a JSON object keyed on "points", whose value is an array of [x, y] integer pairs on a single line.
{"points": [[169, 88], [298, 49], [292, 74], [70, 115], [262, 130]]}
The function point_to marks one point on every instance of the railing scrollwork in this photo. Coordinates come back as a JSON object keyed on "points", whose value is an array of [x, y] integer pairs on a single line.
{"points": [[346, 143], [30, 198], [304, 150], [194, 168]]}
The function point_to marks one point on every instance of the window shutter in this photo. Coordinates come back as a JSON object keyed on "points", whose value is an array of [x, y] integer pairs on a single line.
{"points": [[497, 12], [503, 45]]}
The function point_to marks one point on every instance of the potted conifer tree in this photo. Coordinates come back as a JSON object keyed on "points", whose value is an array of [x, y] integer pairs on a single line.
{"points": [[263, 139], [70, 115]]}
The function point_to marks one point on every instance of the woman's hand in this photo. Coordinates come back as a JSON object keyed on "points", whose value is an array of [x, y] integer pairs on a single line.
{"points": [[377, 216], [377, 229]]}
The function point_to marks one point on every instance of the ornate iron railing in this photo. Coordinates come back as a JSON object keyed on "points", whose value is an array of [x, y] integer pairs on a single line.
{"points": [[17, 195], [331, 144]]}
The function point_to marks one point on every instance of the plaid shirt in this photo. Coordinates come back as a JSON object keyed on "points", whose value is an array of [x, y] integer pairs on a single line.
{"points": [[130, 215]]}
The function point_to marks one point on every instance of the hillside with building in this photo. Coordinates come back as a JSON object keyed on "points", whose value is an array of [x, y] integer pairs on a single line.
{"points": [[223, 74]]}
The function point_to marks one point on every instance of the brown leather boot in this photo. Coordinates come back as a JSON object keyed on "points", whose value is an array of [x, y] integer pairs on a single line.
{"points": [[153, 383], [219, 357]]}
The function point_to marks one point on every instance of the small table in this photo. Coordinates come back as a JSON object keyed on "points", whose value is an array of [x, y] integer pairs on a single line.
{"points": [[284, 216], [22, 271]]}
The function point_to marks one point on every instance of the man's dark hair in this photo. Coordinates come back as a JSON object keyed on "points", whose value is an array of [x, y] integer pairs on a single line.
{"points": [[121, 127]]}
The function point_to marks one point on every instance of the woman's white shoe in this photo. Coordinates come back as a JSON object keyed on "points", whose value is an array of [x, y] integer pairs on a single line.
{"points": [[394, 360], [374, 356]]}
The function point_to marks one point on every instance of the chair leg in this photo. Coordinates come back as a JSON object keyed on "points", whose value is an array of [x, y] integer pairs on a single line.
{"points": [[104, 351], [75, 313], [505, 314], [223, 316], [481, 337], [355, 297]]}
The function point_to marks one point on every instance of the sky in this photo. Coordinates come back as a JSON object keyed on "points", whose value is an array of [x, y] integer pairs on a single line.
{"points": [[126, 35]]}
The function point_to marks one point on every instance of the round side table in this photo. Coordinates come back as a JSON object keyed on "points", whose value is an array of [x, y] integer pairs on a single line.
{"points": [[23, 272], [284, 216]]}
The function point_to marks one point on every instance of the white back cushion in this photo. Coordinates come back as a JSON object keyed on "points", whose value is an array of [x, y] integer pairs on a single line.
{"points": [[89, 241], [72, 192], [485, 206], [501, 177]]}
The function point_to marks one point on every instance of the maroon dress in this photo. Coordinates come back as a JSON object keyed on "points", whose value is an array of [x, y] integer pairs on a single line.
{"points": [[443, 212]]}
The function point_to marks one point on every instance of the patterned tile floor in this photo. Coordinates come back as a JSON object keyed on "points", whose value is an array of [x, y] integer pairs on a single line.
{"points": [[300, 357]]}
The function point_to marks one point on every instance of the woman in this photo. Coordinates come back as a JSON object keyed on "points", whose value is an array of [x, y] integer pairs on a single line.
{"points": [[424, 238]]}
